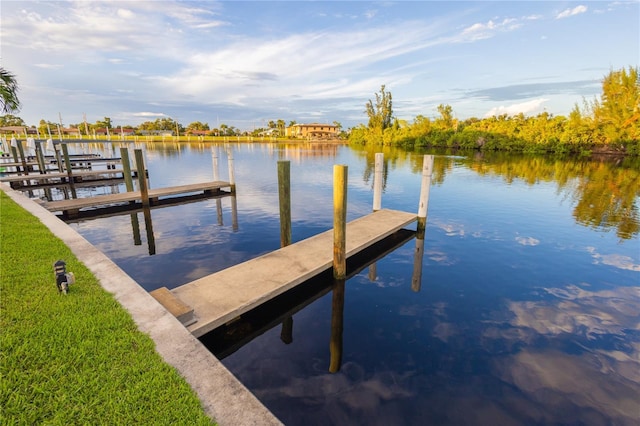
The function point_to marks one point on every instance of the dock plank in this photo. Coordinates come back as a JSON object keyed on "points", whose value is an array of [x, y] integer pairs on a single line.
{"points": [[221, 297], [35, 176], [104, 200]]}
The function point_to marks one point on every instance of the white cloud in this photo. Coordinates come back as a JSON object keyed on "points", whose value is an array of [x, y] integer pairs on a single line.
{"points": [[528, 107], [479, 31], [572, 12], [527, 241]]}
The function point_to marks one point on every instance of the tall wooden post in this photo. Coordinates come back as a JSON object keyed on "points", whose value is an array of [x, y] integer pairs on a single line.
{"points": [[67, 165], [23, 159], [284, 192], [40, 157], [214, 161], [284, 195], [16, 159], [337, 321], [142, 178], [126, 169], [427, 170], [339, 221], [232, 179], [377, 182]]}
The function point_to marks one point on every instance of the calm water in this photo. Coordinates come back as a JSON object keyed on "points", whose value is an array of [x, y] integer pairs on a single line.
{"points": [[527, 311]]}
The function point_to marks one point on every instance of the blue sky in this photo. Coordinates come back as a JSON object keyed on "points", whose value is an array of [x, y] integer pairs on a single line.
{"points": [[245, 63]]}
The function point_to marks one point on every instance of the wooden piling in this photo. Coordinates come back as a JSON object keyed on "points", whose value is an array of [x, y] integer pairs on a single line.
{"points": [[23, 159], [377, 181], [232, 179], [339, 221], [214, 162], [427, 170], [126, 169], [58, 159], [14, 152], [40, 157], [67, 165], [142, 178], [284, 192]]}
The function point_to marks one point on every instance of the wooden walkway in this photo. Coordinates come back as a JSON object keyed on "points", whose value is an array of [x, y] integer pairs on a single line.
{"points": [[219, 298], [77, 176], [71, 207]]}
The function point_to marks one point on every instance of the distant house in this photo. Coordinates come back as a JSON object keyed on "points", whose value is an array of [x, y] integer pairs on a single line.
{"points": [[194, 132], [71, 131], [313, 131], [269, 132], [18, 130], [120, 131]]}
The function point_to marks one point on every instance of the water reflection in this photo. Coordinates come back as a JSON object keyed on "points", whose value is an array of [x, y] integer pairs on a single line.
{"points": [[605, 191]]}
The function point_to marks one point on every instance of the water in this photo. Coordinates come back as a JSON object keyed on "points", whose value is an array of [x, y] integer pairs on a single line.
{"points": [[527, 310]]}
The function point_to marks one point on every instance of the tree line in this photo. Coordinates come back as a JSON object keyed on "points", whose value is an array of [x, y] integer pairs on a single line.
{"points": [[610, 123]]}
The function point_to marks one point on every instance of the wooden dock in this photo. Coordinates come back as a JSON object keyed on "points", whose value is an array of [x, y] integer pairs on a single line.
{"points": [[216, 299], [77, 176], [73, 206]]}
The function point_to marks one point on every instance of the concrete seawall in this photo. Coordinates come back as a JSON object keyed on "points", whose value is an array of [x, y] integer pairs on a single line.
{"points": [[222, 396]]}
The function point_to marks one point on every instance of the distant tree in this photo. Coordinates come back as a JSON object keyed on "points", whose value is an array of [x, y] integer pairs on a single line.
{"points": [[11, 120], [272, 124], [8, 92], [44, 127], [446, 117], [196, 125], [381, 113], [292, 123], [618, 112], [280, 124], [102, 124]]}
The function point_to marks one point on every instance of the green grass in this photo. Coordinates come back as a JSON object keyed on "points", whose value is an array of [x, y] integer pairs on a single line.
{"points": [[74, 359]]}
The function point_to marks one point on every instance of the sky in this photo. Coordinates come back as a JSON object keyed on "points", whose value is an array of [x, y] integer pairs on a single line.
{"points": [[244, 63]]}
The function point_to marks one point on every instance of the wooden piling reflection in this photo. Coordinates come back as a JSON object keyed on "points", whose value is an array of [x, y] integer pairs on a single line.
{"points": [[418, 256], [151, 240], [135, 225], [337, 325]]}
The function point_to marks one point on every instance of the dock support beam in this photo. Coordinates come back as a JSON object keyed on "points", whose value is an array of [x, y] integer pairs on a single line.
{"points": [[339, 221]]}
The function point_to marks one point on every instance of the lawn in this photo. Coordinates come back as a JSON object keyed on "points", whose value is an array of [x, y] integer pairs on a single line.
{"points": [[79, 358]]}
